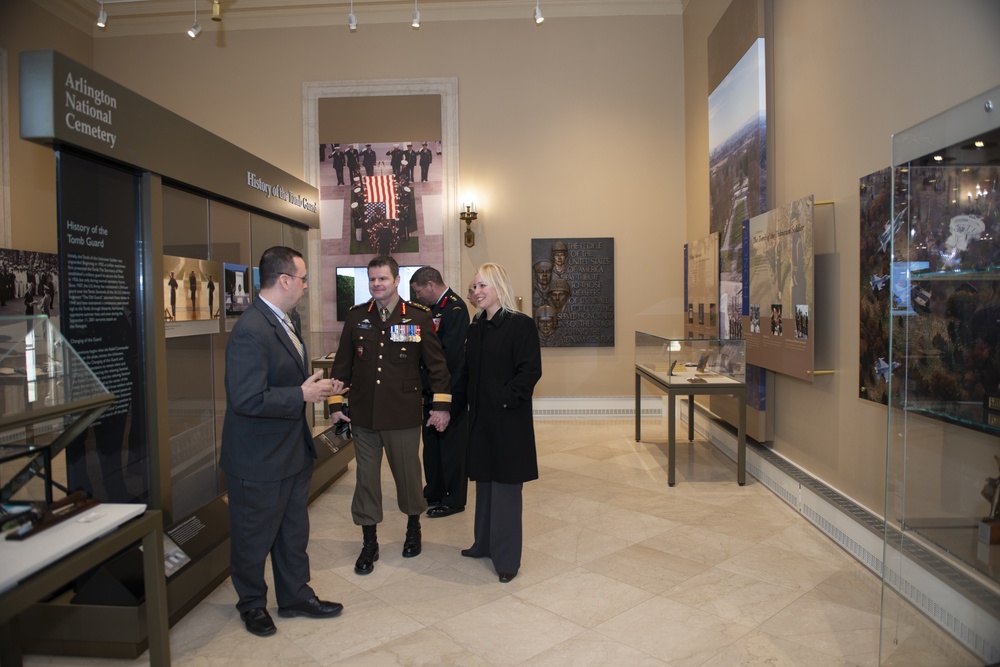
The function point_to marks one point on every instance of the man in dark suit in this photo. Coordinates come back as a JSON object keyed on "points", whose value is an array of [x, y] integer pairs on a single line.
{"points": [[426, 157], [444, 451], [267, 447], [368, 159], [339, 160], [384, 342], [353, 162], [395, 159], [409, 161]]}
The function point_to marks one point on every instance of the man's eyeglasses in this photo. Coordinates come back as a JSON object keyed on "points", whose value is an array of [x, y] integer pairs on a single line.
{"points": [[304, 278]]}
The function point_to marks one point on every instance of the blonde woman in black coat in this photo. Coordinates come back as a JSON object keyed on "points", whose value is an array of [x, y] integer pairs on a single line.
{"points": [[503, 362]]}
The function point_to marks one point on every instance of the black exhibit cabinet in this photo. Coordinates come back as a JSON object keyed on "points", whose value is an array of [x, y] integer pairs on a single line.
{"points": [[160, 226]]}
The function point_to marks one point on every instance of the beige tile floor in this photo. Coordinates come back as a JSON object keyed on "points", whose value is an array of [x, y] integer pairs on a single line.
{"points": [[618, 569]]}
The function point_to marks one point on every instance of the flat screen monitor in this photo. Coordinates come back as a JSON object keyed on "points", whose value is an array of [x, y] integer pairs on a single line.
{"points": [[352, 287]]}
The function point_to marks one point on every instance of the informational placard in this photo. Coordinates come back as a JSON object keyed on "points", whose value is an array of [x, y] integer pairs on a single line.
{"points": [[702, 308], [99, 283], [780, 327], [573, 290]]}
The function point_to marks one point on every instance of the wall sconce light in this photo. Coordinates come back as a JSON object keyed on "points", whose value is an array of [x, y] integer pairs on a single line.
{"points": [[468, 216]]}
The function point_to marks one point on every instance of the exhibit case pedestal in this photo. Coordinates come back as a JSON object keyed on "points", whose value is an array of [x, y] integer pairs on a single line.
{"points": [[689, 368], [942, 493]]}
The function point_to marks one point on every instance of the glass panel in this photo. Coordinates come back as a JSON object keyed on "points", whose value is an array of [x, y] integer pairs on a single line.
{"points": [[942, 477], [46, 390], [298, 238], [230, 234], [191, 411]]}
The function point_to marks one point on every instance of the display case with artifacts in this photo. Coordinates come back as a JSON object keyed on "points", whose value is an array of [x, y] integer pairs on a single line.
{"points": [[944, 399], [685, 368], [48, 397], [691, 360]]}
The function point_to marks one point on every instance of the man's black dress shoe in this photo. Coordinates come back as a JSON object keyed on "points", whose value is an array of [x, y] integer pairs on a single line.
{"points": [[444, 510], [258, 622], [469, 553], [314, 607], [505, 577]]}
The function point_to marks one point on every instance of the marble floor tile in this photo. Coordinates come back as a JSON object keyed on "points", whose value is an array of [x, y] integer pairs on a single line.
{"points": [[733, 596], [673, 632], [779, 566], [592, 649], [428, 647], [649, 569], [759, 649], [584, 597], [617, 568], [575, 544], [509, 631], [698, 544]]}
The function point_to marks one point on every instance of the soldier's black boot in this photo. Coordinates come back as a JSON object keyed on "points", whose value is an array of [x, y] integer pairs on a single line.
{"points": [[411, 545], [369, 551]]}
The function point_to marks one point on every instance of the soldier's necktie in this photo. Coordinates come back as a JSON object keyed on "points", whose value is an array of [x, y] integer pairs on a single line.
{"points": [[383, 313], [295, 338]]}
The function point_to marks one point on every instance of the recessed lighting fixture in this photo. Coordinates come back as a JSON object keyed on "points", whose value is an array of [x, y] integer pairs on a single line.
{"points": [[939, 158], [980, 144]]}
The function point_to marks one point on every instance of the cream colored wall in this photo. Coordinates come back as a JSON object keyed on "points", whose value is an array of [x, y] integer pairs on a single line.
{"points": [[561, 126], [572, 129], [23, 26], [847, 75]]}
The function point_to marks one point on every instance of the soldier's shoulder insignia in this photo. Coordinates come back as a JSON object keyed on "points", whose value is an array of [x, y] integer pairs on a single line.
{"points": [[453, 298], [419, 306], [363, 304]]}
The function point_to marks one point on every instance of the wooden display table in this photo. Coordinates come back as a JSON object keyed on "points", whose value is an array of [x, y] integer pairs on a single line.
{"points": [[40, 565]]}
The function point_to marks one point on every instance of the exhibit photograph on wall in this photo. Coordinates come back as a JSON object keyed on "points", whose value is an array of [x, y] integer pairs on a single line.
{"points": [[378, 197], [878, 293], [702, 286], [236, 279], [29, 283], [945, 294], [782, 290], [191, 303], [737, 129], [573, 290]]}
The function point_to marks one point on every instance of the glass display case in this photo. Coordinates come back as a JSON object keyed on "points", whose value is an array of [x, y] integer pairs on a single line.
{"points": [[942, 507], [48, 397], [694, 361], [685, 367]]}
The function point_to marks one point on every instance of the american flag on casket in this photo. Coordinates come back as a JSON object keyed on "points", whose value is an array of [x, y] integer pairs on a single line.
{"points": [[380, 197]]}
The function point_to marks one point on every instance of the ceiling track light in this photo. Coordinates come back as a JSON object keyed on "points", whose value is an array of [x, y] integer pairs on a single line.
{"points": [[195, 29], [538, 14], [216, 11], [416, 16], [352, 20], [102, 17]]}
